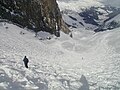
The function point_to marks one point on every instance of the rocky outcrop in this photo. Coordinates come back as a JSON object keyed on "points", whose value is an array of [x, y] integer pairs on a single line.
{"points": [[38, 15]]}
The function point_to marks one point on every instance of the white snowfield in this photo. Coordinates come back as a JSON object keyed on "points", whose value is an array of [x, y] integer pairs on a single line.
{"points": [[88, 61]]}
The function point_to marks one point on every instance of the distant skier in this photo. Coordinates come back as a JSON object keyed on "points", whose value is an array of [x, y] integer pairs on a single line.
{"points": [[25, 60]]}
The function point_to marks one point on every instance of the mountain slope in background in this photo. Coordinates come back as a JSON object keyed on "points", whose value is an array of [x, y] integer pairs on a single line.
{"points": [[90, 14]]}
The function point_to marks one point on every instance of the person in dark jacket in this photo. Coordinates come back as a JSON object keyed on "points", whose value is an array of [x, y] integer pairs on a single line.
{"points": [[25, 60]]}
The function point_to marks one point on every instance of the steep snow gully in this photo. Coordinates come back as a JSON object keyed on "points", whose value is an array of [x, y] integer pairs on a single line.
{"points": [[88, 61]]}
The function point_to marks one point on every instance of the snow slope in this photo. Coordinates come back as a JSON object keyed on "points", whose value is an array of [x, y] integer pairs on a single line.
{"points": [[88, 61], [113, 23]]}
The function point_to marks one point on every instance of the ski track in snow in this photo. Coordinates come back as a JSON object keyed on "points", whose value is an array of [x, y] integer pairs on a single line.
{"points": [[87, 62]]}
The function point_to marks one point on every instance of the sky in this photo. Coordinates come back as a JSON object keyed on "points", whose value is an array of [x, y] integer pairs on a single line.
{"points": [[115, 3]]}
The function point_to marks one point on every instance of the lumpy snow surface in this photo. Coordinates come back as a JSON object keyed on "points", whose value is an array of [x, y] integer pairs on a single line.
{"points": [[88, 61]]}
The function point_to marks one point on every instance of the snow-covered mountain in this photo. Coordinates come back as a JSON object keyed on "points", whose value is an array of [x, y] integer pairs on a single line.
{"points": [[87, 61], [90, 14]]}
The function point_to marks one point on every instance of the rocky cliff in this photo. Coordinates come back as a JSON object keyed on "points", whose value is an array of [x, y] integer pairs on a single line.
{"points": [[38, 15]]}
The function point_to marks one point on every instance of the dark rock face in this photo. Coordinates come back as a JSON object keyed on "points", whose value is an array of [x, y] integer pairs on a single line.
{"points": [[38, 15], [90, 15]]}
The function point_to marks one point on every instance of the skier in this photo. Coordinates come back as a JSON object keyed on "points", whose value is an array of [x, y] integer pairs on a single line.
{"points": [[25, 60]]}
